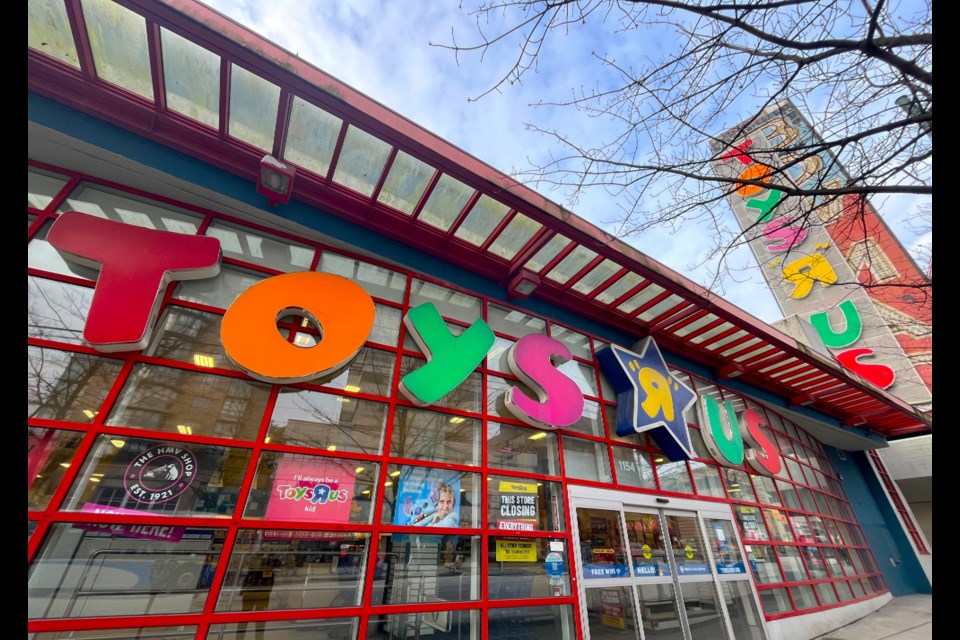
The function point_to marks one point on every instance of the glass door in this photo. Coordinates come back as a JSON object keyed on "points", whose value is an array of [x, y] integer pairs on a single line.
{"points": [[652, 571]]}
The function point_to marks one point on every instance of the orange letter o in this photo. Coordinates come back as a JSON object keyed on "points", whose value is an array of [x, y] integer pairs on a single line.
{"points": [[340, 307], [753, 172]]}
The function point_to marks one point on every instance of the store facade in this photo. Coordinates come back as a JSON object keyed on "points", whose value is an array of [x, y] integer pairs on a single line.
{"points": [[243, 410]]}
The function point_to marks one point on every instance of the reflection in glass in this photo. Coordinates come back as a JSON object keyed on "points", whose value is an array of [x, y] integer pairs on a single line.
{"points": [[610, 613], [286, 629], [825, 593], [513, 323], [49, 454], [67, 386], [57, 310], [602, 549], [42, 255], [42, 186], [463, 624], [586, 459], [742, 608], [84, 570], [775, 601], [803, 597], [379, 282], [451, 303], [647, 552], [261, 249], [554, 622], [522, 449], [703, 611], [516, 569], [427, 435], [179, 632], [793, 568], [272, 569], [723, 543], [633, 467], [764, 564], [133, 475], [190, 403], [464, 397], [426, 568], [118, 206], [219, 291], [294, 486], [189, 335], [517, 504], [321, 420], [674, 476]]}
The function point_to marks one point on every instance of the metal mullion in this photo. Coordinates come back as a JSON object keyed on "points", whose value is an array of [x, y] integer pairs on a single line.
{"points": [[713, 324], [431, 184], [383, 175], [78, 26], [579, 275], [660, 297], [335, 156], [687, 315], [462, 215], [670, 313], [497, 230], [607, 283], [627, 295]]}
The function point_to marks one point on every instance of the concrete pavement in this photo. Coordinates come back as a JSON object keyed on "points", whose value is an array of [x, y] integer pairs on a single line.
{"points": [[903, 618]]}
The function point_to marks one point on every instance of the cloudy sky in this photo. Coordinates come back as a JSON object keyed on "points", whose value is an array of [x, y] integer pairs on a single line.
{"points": [[391, 52]]}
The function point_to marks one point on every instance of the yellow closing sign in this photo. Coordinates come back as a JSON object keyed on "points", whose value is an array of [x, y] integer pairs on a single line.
{"points": [[515, 551], [517, 487]]}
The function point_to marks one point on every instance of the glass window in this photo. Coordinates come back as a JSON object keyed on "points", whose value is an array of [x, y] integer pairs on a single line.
{"points": [[643, 296], [603, 549], [57, 310], [294, 486], [547, 253], [48, 30], [118, 42], [430, 497], [426, 568], [763, 562], [191, 75], [586, 460], [262, 249], [803, 597], [253, 108], [596, 276], [118, 206], [179, 632], [778, 525], [775, 601], [42, 186], [67, 386], [814, 562], [219, 291], [590, 422], [379, 282], [482, 219], [744, 617], [84, 570], [583, 374], [648, 555], [410, 342], [520, 504], [516, 569], [674, 476], [766, 490], [738, 484], [446, 201], [428, 435], [514, 323], [286, 629], [190, 403], [42, 255], [571, 264], [464, 397], [134, 475], [450, 303], [370, 372], [189, 335], [497, 356], [514, 236], [793, 569], [707, 479], [463, 624], [751, 527], [843, 590], [319, 420], [49, 454], [723, 542], [633, 467], [361, 161], [826, 593], [273, 569], [311, 137], [407, 180], [789, 494], [522, 449]]}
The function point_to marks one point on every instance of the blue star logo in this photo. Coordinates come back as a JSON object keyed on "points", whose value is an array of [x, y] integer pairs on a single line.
{"points": [[649, 398]]}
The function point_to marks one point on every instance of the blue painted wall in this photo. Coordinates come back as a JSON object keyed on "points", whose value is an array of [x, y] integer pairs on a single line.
{"points": [[885, 536]]}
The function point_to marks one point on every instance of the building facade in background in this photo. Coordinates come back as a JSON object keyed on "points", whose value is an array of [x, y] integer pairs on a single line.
{"points": [[299, 368]]}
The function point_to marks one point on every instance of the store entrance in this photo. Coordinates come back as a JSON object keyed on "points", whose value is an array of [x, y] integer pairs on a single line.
{"points": [[660, 568]]}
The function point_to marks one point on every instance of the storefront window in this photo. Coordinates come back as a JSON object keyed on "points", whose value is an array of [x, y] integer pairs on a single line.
{"points": [[322, 420], [419, 568], [648, 554], [430, 497], [49, 454], [452, 304], [294, 486], [738, 484], [379, 282], [221, 290], [583, 375], [497, 387], [179, 632], [190, 336], [428, 435], [62, 385], [555, 622], [674, 476], [514, 323], [285, 629], [633, 467], [586, 460], [114, 205], [578, 343], [825, 593], [590, 422], [463, 624], [775, 601], [814, 562], [84, 570], [497, 356], [751, 526], [264, 250], [803, 597], [42, 255], [764, 564], [707, 479], [522, 449], [844, 591], [518, 504], [57, 310], [42, 187], [766, 490], [778, 525], [793, 568], [190, 403], [134, 476], [518, 568], [294, 569]]}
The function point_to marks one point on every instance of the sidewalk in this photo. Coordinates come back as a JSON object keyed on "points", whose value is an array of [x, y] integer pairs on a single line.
{"points": [[903, 618]]}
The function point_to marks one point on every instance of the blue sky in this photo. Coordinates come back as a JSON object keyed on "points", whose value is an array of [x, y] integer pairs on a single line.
{"points": [[383, 49]]}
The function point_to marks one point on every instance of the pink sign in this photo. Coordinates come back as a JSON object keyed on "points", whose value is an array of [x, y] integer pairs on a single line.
{"points": [[148, 531], [314, 489]]}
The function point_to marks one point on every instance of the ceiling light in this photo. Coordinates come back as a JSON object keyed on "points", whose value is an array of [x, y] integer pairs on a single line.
{"points": [[538, 436], [457, 420], [395, 474], [118, 443], [352, 388], [65, 465], [203, 361], [92, 479], [658, 459], [332, 447], [343, 400], [388, 483], [185, 429], [90, 414]]}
